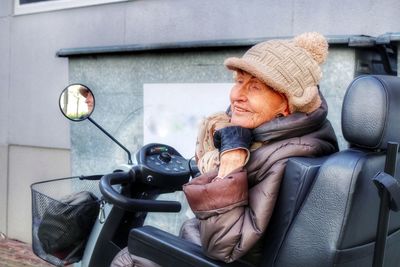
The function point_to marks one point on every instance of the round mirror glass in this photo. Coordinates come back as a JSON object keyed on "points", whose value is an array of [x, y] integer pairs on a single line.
{"points": [[77, 102]]}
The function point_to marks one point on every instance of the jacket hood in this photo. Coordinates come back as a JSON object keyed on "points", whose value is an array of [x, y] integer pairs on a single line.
{"points": [[294, 125]]}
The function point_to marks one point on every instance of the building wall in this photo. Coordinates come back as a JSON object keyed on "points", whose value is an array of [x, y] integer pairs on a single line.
{"points": [[3, 187], [4, 70], [35, 73], [28, 165], [5, 11], [6, 8], [31, 76]]}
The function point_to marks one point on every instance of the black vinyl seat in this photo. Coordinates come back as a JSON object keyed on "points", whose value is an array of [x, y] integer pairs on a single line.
{"points": [[336, 225], [169, 250], [298, 178], [327, 210]]}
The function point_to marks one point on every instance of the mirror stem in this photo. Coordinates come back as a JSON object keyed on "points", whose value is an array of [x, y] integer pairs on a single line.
{"points": [[112, 138]]}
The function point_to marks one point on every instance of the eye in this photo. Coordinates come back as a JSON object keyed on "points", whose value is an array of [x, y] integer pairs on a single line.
{"points": [[255, 86], [238, 80]]}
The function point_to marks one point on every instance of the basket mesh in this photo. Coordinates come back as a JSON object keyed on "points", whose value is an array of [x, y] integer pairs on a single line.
{"points": [[48, 199]]}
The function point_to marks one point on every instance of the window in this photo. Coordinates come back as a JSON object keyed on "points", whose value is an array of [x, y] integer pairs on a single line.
{"points": [[30, 1], [34, 6]]}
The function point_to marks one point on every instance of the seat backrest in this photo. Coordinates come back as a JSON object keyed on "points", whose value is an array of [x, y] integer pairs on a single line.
{"points": [[296, 182], [337, 221]]}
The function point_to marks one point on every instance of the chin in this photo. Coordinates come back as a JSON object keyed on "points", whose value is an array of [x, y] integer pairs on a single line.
{"points": [[242, 122]]}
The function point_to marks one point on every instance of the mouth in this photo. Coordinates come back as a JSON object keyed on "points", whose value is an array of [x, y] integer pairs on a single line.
{"points": [[239, 109]]}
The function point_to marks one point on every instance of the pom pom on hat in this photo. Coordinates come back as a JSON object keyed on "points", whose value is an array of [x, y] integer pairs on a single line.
{"points": [[315, 44]]}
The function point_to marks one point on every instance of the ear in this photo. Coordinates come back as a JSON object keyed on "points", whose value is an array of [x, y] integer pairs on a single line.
{"points": [[285, 108], [286, 112]]}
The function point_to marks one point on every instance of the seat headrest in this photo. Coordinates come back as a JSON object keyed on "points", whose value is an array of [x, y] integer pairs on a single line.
{"points": [[371, 111]]}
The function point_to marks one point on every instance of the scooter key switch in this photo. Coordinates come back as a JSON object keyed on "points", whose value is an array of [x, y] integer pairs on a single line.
{"points": [[165, 157]]}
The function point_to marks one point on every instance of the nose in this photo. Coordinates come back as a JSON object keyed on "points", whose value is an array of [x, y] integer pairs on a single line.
{"points": [[238, 92]]}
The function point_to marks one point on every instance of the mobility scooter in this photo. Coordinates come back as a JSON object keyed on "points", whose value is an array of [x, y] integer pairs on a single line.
{"points": [[338, 210]]}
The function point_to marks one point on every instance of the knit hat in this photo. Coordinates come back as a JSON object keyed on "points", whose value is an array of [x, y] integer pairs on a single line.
{"points": [[84, 91], [291, 67]]}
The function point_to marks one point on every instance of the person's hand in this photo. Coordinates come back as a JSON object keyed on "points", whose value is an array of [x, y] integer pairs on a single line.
{"points": [[232, 137], [233, 143]]}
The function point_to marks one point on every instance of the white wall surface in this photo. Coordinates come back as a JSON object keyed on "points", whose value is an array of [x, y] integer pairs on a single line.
{"points": [[5, 8], [3, 187], [4, 77], [368, 17], [183, 20], [29, 165], [175, 120], [38, 76]]}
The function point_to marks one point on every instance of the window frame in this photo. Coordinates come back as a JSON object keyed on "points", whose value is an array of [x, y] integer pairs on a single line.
{"points": [[44, 6]]}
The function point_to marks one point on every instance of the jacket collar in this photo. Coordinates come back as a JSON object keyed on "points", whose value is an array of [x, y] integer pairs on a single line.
{"points": [[296, 124]]}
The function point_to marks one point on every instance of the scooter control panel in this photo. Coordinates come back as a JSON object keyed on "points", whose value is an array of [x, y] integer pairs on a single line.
{"points": [[166, 162], [161, 165]]}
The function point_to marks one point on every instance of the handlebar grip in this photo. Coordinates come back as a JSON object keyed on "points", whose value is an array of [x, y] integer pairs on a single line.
{"points": [[115, 198]]}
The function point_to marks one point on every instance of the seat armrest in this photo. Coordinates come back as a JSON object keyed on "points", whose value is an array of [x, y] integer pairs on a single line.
{"points": [[169, 250]]}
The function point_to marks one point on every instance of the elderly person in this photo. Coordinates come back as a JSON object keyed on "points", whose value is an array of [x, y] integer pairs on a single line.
{"points": [[276, 112], [89, 99]]}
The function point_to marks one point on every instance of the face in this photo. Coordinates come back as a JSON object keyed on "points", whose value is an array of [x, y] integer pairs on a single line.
{"points": [[89, 101], [253, 102]]}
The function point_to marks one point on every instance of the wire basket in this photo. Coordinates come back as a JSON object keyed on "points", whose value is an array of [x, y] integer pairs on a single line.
{"points": [[63, 214]]}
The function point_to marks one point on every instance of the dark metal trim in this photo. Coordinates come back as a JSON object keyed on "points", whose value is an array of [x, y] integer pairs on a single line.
{"points": [[67, 52], [348, 40]]}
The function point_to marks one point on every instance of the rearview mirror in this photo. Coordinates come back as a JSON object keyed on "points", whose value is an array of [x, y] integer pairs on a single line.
{"points": [[76, 102]]}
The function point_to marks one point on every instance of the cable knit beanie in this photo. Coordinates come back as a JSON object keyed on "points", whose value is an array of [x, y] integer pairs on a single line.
{"points": [[291, 67]]}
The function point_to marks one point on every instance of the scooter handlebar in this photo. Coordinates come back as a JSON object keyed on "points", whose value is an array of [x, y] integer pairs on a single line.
{"points": [[123, 202]]}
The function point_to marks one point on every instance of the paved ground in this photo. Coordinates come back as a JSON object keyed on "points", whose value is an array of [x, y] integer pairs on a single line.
{"points": [[14, 253]]}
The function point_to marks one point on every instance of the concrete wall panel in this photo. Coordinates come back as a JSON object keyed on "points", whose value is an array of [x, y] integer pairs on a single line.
{"points": [[4, 77], [6, 8], [38, 76], [190, 20], [26, 166], [346, 17], [338, 72], [3, 187], [180, 20]]}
